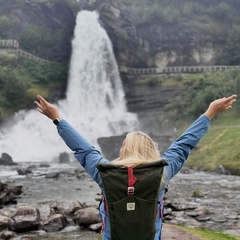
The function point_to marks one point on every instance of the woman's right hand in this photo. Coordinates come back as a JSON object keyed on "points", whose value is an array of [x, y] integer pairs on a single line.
{"points": [[46, 108], [220, 105]]}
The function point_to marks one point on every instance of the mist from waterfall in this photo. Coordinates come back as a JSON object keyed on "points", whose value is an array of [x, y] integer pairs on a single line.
{"points": [[94, 103]]}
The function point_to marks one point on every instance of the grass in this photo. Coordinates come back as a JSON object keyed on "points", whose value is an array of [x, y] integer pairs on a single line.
{"points": [[210, 235], [206, 234], [219, 146]]}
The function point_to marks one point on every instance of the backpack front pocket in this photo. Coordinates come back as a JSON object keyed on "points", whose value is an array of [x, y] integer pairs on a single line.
{"points": [[134, 219]]}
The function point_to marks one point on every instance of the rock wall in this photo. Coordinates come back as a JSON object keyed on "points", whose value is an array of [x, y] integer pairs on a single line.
{"points": [[157, 43]]}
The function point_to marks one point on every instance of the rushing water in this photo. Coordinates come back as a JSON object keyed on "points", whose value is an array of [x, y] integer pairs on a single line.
{"points": [[95, 103]]}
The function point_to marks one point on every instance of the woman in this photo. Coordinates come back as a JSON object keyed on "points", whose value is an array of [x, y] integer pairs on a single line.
{"points": [[136, 149]]}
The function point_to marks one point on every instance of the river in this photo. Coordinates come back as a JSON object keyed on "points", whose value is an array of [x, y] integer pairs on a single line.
{"points": [[220, 194]]}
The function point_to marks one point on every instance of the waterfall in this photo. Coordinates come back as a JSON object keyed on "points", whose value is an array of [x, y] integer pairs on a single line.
{"points": [[94, 103]]}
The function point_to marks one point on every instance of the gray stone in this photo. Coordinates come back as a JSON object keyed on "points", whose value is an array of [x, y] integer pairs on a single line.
{"points": [[6, 159]]}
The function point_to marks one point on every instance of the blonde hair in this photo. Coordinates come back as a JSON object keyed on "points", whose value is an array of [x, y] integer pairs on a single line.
{"points": [[137, 148]]}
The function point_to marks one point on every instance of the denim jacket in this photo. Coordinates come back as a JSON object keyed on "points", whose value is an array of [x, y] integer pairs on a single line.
{"points": [[176, 155]]}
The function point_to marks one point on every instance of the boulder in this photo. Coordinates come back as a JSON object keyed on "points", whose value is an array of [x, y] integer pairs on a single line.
{"points": [[64, 157], [4, 222], [9, 193], [6, 159], [87, 216], [55, 222], [65, 207], [6, 235], [25, 219]]}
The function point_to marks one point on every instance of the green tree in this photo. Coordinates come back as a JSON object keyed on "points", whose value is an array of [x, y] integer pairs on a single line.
{"points": [[232, 50]]}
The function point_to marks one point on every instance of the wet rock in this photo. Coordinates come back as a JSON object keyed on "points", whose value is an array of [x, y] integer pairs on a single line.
{"points": [[8, 211], [6, 235], [3, 222], [44, 165], [55, 222], [95, 227], [219, 219], [6, 159], [202, 211], [221, 170], [65, 207], [45, 211], [80, 173], [52, 175], [24, 171], [9, 193], [25, 219], [64, 158], [87, 216]]}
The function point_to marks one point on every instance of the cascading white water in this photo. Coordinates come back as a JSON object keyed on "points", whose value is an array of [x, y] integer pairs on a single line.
{"points": [[95, 103]]}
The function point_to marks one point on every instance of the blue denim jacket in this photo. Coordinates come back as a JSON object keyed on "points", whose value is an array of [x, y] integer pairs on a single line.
{"points": [[176, 155]]}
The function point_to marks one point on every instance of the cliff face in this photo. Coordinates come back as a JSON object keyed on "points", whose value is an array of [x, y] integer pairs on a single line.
{"points": [[160, 43], [145, 33]]}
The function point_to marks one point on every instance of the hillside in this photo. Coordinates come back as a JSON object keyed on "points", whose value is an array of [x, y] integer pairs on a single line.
{"points": [[218, 150]]}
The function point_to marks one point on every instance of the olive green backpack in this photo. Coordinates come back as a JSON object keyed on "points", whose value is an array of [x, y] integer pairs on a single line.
{"points": [[131, 195]]}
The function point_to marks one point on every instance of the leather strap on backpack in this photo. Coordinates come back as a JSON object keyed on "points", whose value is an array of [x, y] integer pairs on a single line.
{"points": [[131, 181]]}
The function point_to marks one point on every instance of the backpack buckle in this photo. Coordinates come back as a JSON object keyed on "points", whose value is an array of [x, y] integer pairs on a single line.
{"points": [[130, 191]]}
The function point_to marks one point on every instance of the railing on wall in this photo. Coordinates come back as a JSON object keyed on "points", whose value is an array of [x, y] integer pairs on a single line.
{"points": [[12, 45], [174, 70], [9, 43]]}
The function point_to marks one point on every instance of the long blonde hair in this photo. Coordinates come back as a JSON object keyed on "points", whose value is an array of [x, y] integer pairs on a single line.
{"points": [[137, 148]]}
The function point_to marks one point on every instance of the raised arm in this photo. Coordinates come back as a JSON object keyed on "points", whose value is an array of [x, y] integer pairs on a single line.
{"points": [[85, 153], [177, 154]]}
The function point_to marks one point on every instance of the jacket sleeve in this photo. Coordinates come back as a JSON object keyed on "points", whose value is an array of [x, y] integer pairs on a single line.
{"points": [[177, 154], [85, 153]]}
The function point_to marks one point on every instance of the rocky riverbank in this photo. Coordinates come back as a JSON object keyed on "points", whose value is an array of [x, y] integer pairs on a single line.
{"points": [[59, 199]]}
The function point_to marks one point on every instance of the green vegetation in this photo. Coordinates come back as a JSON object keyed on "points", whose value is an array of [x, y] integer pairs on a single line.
{"points": [[21, 79], [197, 193], [232, 50], [210, 235], [220, 145], [174, 10], [205, 87], [44, 28], [200, 90], [203, 16]]}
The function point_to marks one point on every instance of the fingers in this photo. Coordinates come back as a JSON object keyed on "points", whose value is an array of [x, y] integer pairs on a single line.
{"points": [[42, 101], [39, 108], [230, 100], [41, 104]]}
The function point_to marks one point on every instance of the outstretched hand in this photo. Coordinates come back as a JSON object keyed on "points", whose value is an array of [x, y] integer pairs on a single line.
{"points": [[47, 108], [220, 105]]}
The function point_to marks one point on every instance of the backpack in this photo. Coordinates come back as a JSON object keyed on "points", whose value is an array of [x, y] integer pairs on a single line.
{"points": [[131, 195]]}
